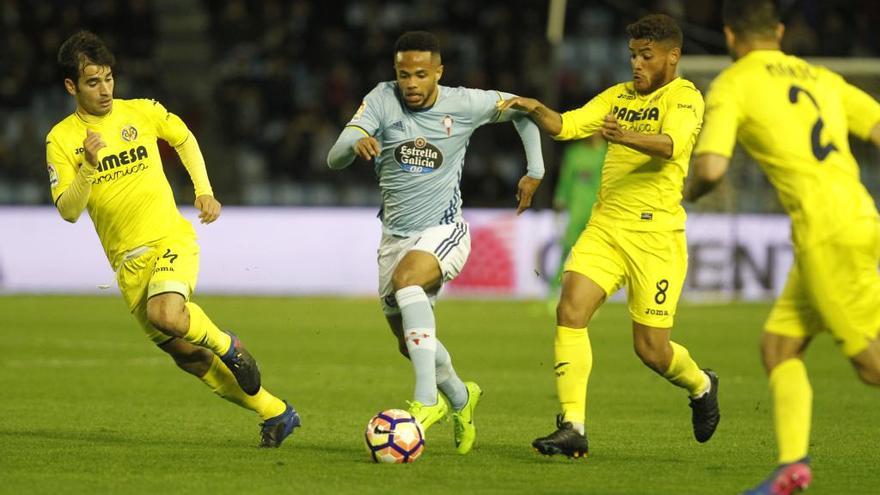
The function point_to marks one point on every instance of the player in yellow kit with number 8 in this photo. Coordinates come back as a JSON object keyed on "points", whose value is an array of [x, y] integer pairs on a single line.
{"points": [[104, 158], [635, 237]]}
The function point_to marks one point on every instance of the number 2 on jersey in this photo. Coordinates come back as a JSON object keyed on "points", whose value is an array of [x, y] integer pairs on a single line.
{"points": [[819, 151]]}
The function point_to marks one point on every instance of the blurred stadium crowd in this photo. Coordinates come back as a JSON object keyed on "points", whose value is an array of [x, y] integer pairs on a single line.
{"points": [[266, 85]]}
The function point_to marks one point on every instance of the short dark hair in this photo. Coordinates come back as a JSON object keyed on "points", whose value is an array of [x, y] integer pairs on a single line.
{"points": [[419, 41], [81, 49], [750, 17], [656, 27]]}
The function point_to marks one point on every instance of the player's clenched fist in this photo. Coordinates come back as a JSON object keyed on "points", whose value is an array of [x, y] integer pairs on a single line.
{"points": [[209, 208], [611, 130], [367, 148], [92, 143], [525, 190]]}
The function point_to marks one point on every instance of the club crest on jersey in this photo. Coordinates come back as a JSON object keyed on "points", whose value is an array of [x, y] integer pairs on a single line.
{"points": [[360, 111], [447, 124], [418, 156], [53, 175], [129, 133]]}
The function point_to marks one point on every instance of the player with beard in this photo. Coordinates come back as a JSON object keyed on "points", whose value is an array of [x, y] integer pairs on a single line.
{"points": [[417, 132], [635, 236]]}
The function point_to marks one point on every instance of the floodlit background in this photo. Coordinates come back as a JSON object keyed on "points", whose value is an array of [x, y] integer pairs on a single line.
{"points": [[266, 86], [90, 406]]}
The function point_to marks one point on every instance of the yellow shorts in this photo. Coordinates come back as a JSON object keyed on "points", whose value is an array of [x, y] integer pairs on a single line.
{"points": [[834, 286], [172, 265], [652, 265]]}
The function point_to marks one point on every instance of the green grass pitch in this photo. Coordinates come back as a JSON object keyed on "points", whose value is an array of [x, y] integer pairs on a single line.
{"points": [[89, 406]]}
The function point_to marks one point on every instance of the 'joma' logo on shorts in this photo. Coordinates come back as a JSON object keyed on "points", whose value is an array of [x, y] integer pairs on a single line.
{"points": [[656, 312]]}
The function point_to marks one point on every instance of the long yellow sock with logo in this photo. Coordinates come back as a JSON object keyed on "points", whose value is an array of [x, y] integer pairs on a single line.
{"points": [[223, 383], [685, 373], [204, 333], [574, 361], [792, 409]]}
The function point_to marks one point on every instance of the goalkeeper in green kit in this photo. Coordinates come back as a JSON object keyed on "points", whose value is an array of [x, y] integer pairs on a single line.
{"points": [[576, 191]]}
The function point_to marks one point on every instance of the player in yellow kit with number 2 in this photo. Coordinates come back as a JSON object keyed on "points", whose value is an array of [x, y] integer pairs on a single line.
{"points": [[635, 236], [104, 158], [794, 118]]}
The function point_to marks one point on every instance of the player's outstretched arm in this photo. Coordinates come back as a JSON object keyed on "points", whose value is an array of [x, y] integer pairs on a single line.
{"points": [[549, 120], [707, 172], [352, 142], [73, 200], [649, 144], [531, 139]]}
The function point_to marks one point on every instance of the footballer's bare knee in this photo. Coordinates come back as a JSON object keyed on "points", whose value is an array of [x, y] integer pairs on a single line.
{"points": [[579, 300], [776, 349], [190, 358], [867, 364], [869, 376], [167, 312], [571, 314], [410, 277], [402, 278], [417, 268], [656, 359], [652, 346]]}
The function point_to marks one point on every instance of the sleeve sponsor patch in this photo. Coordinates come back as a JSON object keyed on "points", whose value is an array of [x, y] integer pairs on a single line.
{"points": [[687, 106], [360, 111], [53, 175]]}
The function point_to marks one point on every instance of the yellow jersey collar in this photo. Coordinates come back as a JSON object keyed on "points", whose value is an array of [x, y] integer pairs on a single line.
{"points": [[677, 80], [93, 119]]}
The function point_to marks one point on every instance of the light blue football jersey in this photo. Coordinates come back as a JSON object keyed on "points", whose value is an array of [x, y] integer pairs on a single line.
{"points": [[419, 168]]}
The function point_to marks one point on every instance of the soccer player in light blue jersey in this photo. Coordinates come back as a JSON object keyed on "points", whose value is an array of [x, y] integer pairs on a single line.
{"points": [[418, 131]]}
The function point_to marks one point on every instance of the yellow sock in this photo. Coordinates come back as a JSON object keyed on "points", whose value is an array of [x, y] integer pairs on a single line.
{"points": [[574, 361], [221, 381], [204, 333], [685, 373], [792, 408]]}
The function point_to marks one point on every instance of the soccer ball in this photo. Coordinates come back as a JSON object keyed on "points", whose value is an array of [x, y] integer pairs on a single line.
{"points": [[394, 437]]}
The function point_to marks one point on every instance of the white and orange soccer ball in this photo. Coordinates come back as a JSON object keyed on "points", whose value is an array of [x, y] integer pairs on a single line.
{"points": [[394, 437]]}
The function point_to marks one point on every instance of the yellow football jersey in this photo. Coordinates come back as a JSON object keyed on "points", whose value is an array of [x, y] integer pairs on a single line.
{"points": [[131, 202], [639, 191], [793, 118]]}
